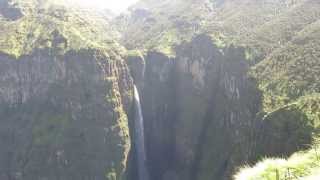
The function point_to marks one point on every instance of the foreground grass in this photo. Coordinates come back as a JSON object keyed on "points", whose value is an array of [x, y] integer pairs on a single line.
{"points": [[302, 165]]}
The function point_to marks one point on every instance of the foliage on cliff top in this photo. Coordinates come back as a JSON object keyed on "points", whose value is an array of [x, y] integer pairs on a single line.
{"points": [[281, 37], [263, 25], [300, 166], [54, 24], [159, 25], [260, 25]]}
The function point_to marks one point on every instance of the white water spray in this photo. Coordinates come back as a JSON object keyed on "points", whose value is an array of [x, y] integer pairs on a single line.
{"points": [[139, 138]]}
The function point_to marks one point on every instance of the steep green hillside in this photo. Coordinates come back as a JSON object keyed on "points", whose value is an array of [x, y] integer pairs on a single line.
{"points": [[283, 39], [291, 71]]}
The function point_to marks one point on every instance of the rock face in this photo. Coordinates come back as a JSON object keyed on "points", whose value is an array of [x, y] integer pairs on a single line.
{"points": [[228, 97], [63, 117], [159, 110], [217, 108], [203, 113], [213, 96], [198, 109], [64, 96]]}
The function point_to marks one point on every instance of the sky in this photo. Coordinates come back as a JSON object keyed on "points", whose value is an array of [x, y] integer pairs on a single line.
{"points": [[116, 6]]}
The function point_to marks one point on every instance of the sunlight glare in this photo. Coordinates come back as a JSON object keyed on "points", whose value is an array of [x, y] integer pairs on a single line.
{"points": [[116, 6]]}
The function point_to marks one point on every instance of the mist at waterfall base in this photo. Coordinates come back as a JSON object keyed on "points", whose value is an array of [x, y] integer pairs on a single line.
{"points": [[139, 138]]}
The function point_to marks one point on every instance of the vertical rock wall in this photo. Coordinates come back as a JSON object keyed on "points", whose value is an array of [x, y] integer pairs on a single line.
{"points": [[199, 110], [64, 116]]}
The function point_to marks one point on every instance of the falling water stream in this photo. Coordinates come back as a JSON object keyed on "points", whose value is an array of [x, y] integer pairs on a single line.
{"points": [[139, 138]]}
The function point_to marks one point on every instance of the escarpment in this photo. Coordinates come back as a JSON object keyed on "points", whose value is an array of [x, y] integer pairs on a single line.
{"points": [[203, 88], [204, 112], [199, 107], [64, 117], [64, 98], [230, 96]]}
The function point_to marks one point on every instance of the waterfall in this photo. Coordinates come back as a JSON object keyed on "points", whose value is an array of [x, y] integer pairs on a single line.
{"points": [[139, 138]]}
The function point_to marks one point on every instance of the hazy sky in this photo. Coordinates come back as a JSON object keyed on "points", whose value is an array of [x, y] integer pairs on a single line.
{"points": [[116, 6]]}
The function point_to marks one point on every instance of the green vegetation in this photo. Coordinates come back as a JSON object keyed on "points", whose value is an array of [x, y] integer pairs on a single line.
{"points": [[276, 43], [303, 165], [280, 40], [54, 24], [164, 24], [290, 128], [134, 53], [282, 45], [166, 42], [66, 69], [291, 71], [309, 105]]}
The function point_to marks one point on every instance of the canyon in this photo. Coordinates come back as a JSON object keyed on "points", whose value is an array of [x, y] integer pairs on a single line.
{"points": [[170, 90]]}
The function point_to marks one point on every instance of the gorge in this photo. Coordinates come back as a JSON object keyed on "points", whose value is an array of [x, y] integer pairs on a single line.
{"points": [[169, 90], [209, 87]]}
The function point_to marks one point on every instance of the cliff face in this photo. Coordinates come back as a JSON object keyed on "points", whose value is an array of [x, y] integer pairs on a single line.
{"points": [[238, 93], [204, 111], [198, 108], [63, 117], [221, 85], [64, 104], [216, 109]]}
